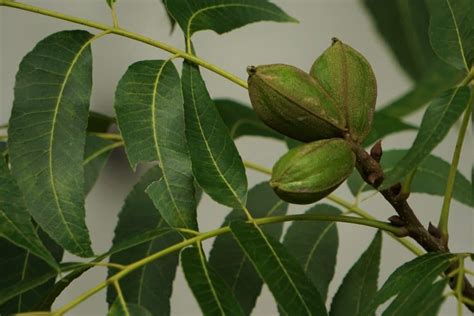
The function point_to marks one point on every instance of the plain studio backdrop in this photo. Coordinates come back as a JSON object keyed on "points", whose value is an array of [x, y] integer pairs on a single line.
{"points": [[255, 44]]}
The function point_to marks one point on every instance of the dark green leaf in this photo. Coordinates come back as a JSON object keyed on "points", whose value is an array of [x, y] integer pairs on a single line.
{"points": [[360, 283], [404, 26], [96, 154], [431, 177], [441, 114], [118, 309], [24, 278], [314, 244], [410, 277], [3, 149], [294, 293], [111, 3], [149, 107], [384, 125], [99, 123], [217, 165], [452, 31], [211, 292], [150, 286], [15, 221], [228, 259], [222, 16], [424, 301], [243, 121], [47, 135], [292, 143], [170, 17]]}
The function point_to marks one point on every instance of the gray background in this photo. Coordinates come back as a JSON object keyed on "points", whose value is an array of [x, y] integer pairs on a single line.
{"points": [[261, 43]]}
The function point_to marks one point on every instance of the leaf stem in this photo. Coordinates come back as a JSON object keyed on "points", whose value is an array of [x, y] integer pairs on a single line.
{"points": [[216, 232], [121, 298], [444, 217], [459, 285], [125, 33], [110, 136]]}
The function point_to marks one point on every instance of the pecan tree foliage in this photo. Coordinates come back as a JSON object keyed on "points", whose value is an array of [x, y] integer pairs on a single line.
{"points": [[53, 149]]}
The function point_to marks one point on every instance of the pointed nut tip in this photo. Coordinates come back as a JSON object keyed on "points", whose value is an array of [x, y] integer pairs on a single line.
{"points": [[334, 40], [251, 70]]}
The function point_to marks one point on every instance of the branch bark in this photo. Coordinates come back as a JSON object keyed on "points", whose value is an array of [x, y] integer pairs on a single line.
{"points": [[430, 239]]}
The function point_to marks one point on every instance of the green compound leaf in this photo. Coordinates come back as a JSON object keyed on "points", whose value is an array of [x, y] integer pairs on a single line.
{"points": [[47, 135], [211, 292], [25, 278], [15, 221], [150, 115], [452, 31], [384, 125], [360, 283], [228, 259], [222, 16], [440, 116], [241, 120], [430, 177], [414, 278], [314, 244], [149, 287], [217, 165], [294, 293]]}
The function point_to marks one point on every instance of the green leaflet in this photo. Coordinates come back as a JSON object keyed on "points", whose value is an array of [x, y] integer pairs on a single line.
{"points": [[412, 278], [228, 259], [118, 309], [424, 301], [384, 125], [47, 135], [431, 176], [193, 16], [96, 154], [293, 291], [217, 165], [149, 107], [360, 283], [24, 278], [150, 286], [452, 31], [441, 114], [314, 245], [170, 17], [241, 120], [15, 221], [211, 292], [111, 3]]}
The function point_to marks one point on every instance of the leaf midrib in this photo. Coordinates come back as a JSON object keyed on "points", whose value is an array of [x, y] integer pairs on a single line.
{"points": [[208, 278], [157, 146], [51, 140], [458, 36]]}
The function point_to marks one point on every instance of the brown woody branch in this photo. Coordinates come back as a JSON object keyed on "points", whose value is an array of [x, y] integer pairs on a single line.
{"points": [[430, 239]]}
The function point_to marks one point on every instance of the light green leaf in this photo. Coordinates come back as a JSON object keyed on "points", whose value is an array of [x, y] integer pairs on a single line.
{"points": [[241, 120], [452, 31], [430, 177], [217, 165], [211, 292], [384, 125], [15, 221], [441, 114], [408, 279], [423, 301], [360, 283], [228, 259], [149, 107], [314, 244], [96, 154], [222, 16], [118, 309], [47, 135], [294, 293], [150, 286], [25, 278]]}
